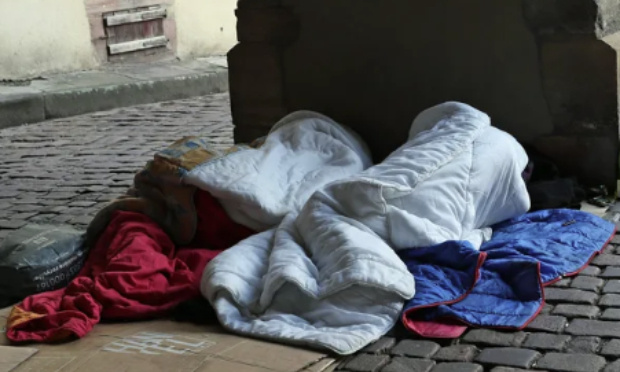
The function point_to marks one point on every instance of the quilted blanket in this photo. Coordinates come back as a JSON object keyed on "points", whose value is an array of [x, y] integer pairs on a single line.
{"points": [[259, 184], [329, 275], [501, 285]]}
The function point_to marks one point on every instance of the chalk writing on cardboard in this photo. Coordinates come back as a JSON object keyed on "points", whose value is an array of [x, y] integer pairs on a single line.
{"points": [[153, 343]]}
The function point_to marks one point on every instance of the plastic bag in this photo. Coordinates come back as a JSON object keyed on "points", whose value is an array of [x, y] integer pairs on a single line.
{"points": [[39, 258]]}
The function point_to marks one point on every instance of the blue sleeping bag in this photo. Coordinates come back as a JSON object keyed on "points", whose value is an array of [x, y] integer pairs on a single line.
{"points": [[502, 284]]}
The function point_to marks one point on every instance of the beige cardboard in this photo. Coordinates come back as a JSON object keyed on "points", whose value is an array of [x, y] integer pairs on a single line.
{"points": [[11, 357], [165, 345], [324, 365]]}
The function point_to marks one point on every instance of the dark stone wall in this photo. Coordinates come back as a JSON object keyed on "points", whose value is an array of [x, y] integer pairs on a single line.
{"points": [[579, 70], [543, 69], [375, 65]]}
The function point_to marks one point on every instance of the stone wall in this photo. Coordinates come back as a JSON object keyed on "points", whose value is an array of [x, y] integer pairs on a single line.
{"points": [[579, 70], [545, 70]]}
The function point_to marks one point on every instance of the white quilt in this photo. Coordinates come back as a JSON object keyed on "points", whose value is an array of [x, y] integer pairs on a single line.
{"points": [[328, 276], [303, 152]]}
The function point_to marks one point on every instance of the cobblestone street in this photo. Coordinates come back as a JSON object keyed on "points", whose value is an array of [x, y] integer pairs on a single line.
{"points": [[65, 170]]}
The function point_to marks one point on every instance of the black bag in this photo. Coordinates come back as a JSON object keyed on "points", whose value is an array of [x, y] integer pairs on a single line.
{"points": [[548, 188], [559, 193], [39, 258]]}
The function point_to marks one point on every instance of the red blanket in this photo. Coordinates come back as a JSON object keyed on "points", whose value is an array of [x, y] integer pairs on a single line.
{"points": [[134, 271]]}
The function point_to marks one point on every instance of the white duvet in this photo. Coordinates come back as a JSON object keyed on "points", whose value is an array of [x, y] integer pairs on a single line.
{"points": [[303, 152], [328, 275]]}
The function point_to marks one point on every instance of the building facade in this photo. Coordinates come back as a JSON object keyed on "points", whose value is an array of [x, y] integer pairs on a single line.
{"points": [[42, 36]]}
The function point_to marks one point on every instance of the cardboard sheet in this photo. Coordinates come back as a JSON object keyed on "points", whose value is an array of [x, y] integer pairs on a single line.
{"points": [[162, 345], [11, 357]]}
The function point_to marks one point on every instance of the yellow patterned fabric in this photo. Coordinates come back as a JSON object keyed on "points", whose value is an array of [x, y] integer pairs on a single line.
{"points": [[159, 192]]}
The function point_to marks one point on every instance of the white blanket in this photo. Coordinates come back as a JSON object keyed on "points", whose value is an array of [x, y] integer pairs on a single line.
{"points": [[329, 275], [303, 152]]}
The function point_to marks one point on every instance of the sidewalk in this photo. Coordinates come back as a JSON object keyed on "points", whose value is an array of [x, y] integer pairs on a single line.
{"points": [[112, 86]]}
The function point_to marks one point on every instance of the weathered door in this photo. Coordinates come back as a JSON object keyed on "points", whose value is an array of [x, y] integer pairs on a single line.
{"points": [[131, 30]]}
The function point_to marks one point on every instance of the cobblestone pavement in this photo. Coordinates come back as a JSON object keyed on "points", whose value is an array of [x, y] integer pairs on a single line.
{"points": [[65, 170]]}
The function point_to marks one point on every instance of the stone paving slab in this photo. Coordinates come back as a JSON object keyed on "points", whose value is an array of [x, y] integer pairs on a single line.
{"points": [[64, 170]]}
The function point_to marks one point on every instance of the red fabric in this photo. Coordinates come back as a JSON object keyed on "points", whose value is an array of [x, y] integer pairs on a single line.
{"points": [[440, 328], [215, 229], [133, 272]]}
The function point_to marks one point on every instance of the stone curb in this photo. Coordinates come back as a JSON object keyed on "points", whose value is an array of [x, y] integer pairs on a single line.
{"points": [[36, 106]]}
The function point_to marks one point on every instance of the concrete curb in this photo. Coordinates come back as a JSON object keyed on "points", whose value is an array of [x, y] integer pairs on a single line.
{"points": [[21, 109], [82, 101], [80, 93]]}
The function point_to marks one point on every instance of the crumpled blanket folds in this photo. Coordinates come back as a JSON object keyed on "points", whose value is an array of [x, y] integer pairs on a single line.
{"points": [[329, 276], [502, 284]]}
